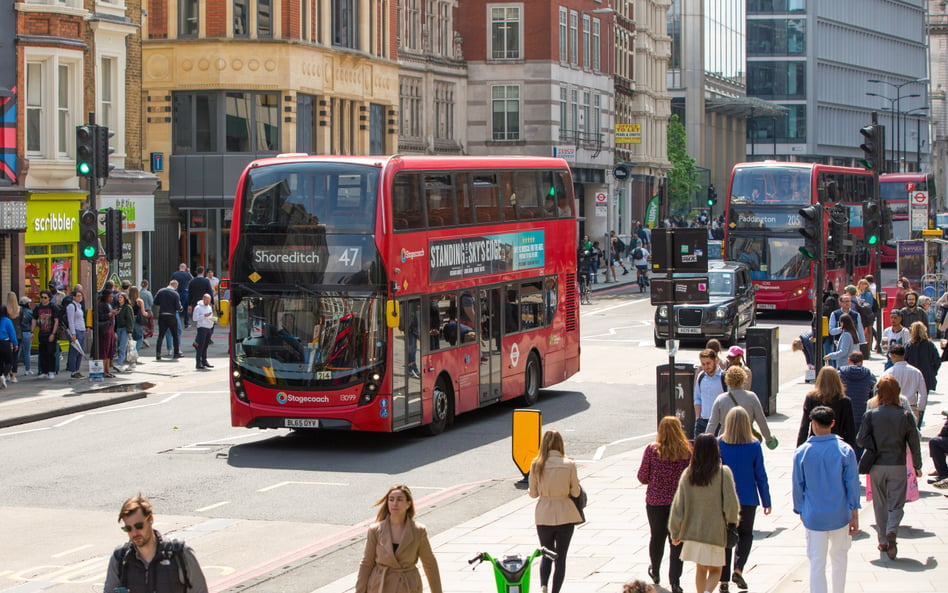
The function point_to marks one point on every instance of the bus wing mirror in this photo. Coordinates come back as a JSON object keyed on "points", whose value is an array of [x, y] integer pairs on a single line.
{"points": [[392, 314]]}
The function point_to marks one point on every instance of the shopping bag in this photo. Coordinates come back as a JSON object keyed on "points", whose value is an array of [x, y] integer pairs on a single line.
{"points": [[131, 352]]}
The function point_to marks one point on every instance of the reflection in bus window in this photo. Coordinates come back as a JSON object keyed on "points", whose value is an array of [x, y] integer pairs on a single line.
{"points": [[775, 258], [531, 305], [771, 185], [439, 195]]}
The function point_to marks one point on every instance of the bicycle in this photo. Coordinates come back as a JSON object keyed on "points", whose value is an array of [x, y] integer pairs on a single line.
{"points": [[512, 573], [584, 271], [585, 290], [642, 278]]}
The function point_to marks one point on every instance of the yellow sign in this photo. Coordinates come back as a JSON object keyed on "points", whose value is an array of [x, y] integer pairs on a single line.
{"points": [[525, 443], [628, 133], [52, 218]]}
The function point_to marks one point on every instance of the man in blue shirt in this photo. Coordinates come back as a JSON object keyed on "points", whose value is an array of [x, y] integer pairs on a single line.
{"points": [[709, 384], [826, 496]]}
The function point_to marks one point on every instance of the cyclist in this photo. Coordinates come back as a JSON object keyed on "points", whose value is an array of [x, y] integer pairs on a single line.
{"points": [[585, 268], [640, 258]]}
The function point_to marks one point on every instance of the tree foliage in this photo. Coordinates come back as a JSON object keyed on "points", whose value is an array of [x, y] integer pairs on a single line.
{"points": [[683, 177]]}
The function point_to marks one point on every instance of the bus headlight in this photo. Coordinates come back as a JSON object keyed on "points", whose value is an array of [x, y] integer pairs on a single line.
{"points": [[238, 387], [371, 388]]}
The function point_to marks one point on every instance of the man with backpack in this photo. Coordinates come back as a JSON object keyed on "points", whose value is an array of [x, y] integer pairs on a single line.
{"points": [[709, 384], [148, 562]]}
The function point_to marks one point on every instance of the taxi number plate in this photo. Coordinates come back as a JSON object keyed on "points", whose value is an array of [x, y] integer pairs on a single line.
{"points": [[689, 330]]}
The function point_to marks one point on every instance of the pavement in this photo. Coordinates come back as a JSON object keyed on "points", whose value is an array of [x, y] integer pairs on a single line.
{"points": [[33, 398], [611, 548]]}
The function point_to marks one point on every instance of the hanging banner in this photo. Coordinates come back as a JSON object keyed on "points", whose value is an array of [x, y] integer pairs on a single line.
{"points": [[651, 213]]}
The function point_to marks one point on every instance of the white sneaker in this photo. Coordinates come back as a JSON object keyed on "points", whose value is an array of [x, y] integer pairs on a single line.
{"points": [[52, 375], [28, 373], [3, 382], [13, 379]]}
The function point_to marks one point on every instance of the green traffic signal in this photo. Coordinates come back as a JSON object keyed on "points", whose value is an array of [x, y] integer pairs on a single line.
{"points": [[83, 169], [88, 252], [85, 149]]}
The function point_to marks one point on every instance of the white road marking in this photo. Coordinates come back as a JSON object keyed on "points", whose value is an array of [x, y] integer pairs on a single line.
{"points": [[70, 420], [281, 484], [67, 552], [212, 506]]}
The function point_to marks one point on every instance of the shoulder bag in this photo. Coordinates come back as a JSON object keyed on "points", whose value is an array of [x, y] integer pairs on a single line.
{"points": [[580, 502], [732, 533], [869, 453]]}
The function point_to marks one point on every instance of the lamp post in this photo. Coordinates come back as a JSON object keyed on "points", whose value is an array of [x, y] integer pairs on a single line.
{"points": [[918, 114], [898, 109]]}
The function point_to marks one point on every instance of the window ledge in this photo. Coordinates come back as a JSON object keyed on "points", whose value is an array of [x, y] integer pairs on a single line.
{"points": [[51, 9]]}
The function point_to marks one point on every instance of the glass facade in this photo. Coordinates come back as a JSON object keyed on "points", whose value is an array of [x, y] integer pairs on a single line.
{"points": [[776, 37], [777, 80], [789, 128], [724, 43]]}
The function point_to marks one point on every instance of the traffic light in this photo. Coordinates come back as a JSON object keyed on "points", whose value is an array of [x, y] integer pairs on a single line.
{"points": [[871, 222], [85, 150], [102, 152], [885, 232], [812, 230], [113, 234], [838, 230], [874, 147], [712, 196], [88, 234]]}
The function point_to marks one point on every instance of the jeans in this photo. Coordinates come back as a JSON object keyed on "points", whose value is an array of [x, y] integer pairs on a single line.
{"points": [[168, 324], [122, 348], [556, 538], [745, 532], [26, 345], [658, 525], [837, 543], [74, 360], [701, 425]]}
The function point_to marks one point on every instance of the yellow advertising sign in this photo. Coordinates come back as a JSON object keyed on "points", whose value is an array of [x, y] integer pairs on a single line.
{"points": [[628, 133], [525, 443], [53, 220]]}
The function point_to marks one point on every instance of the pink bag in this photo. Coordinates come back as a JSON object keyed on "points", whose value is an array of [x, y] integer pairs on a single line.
{"points": [[911, 491]]}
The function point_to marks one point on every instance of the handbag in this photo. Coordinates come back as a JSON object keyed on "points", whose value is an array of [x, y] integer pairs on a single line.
{"points": [[731, 529], [869, 453], [580, 502]]}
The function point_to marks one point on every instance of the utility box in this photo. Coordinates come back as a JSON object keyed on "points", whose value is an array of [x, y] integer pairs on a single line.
{"points": [[763, 349], [679, 399]]}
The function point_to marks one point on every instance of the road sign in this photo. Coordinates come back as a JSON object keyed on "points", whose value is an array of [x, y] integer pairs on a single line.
{"points": [[920, 198], [601, 198]]}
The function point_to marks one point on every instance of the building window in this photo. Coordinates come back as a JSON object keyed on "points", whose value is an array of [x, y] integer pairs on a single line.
{"points": [[188, 18], [597, 46], [777, 80], [410, 106], [238, 121], [505, 33], [444, 110], [345, 23], [264, 20], [307, 126], [574, 109], [445, 38], [411, 27], [267, 122], [574, 37], [34, 107], [241, 18], [107, 93], [586, 50], [505, 107], [564, 113], [564, 44], [587, 115], [52, 103], [597, 114]]}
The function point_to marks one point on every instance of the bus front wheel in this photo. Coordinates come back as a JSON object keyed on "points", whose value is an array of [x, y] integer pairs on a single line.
{"points": [[531, 381], [442, 408]]}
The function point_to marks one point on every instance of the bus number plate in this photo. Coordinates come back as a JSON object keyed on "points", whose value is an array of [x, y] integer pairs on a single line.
{"points": [[301, 422], [766, 306]]}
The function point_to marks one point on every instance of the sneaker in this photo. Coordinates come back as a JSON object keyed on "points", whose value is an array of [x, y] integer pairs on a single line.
{"points": [[52, 375], [28, 373], [13, 379], [3, 382], [76, 375], [941, 484]]}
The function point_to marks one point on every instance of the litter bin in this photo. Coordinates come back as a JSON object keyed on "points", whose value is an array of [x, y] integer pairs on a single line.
{"points": [[681, 401], [763, 349]]}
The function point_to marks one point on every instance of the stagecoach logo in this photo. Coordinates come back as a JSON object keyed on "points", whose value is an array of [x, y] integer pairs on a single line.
{"points": [[284, 398], [407, 255]]}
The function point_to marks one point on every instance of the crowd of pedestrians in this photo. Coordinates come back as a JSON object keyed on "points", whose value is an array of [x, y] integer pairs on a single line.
{"points": [[125, 320]]}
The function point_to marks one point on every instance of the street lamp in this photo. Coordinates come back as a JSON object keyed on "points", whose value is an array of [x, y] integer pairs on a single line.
{"points": [[919, 114], [898, 110]]}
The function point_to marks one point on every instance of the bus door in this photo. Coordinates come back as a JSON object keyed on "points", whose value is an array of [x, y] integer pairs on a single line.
{"points": [[490, 312], [406, 365]]}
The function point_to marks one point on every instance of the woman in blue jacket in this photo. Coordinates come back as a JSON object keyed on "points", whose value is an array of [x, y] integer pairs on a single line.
{"points": [[741, 452], [8, 345], [848, 340]]}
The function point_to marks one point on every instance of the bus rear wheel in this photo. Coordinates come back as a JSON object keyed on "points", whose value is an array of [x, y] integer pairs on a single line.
{"points": [[442, 408], [531, 381]]}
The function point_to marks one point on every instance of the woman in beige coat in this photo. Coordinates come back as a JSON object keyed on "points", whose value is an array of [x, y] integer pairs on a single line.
{"points": [[393, 547], [553, 479]]}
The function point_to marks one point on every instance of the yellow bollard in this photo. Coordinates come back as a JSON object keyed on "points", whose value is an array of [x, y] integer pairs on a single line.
{"points": [[224, 319]]}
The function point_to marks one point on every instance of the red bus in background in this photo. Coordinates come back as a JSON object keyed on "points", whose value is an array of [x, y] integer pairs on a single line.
{"points": [[388, 293], [763, 223], [896, 189]]}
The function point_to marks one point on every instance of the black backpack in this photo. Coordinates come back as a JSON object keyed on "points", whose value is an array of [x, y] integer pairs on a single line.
{"points": [[62, 315], [173, 550], [637, 254]]}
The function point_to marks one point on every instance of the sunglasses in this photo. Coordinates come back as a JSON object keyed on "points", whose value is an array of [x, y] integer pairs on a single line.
{"points": [[138, 527]]}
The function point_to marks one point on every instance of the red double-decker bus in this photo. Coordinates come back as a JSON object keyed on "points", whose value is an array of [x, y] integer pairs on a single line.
{"points": [[763, 223], [387, 293], [896, 188]]}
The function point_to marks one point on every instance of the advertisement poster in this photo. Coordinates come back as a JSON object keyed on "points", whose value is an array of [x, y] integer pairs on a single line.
{"points": [[912, 261], [470, 257]]}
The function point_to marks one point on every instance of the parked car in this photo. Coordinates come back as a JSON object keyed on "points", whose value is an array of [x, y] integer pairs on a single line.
{"points": [[732, 307]]}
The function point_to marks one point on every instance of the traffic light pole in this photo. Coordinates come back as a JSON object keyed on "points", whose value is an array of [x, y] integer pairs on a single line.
{"points": [[93, 183], [877, 267]]}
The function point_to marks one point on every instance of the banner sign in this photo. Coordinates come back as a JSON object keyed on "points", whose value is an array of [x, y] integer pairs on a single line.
{"points": [[470, 257]]}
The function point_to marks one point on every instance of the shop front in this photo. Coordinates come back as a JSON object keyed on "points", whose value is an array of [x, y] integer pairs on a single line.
{"points": [[51, 241]]}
